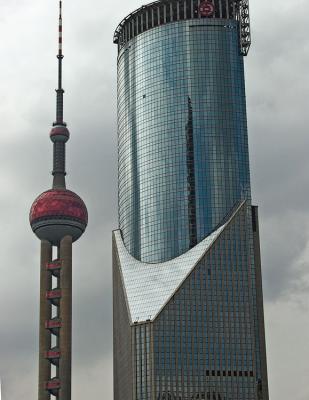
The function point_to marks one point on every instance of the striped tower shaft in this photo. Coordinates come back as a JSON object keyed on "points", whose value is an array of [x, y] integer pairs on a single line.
{"points": [[59, 147], [60, 29], [45, 315], [65, 338], [59, 90]]}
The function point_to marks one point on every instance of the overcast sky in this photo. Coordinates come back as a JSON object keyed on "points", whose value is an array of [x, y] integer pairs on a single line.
{"points": [[278, 117]]}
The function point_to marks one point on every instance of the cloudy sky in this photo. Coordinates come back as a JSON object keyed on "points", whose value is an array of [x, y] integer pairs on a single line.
{"points": [[278, 117]]}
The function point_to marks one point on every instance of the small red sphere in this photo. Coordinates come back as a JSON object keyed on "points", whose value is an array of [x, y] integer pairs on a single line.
{"points": [[59, 133], [56, 213]]}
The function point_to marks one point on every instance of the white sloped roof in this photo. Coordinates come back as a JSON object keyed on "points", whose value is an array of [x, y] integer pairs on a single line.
{"points": [[149, 286]]}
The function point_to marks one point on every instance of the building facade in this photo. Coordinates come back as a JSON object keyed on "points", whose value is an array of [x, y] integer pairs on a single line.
{"points": [[188, 308]]}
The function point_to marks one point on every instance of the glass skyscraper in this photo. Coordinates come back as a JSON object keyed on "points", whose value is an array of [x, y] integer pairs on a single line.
{"points": [[188, 307]]}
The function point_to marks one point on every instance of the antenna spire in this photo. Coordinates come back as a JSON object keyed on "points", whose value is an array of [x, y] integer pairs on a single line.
{"points": [[59, 134], [59, 90], [60, 29]]}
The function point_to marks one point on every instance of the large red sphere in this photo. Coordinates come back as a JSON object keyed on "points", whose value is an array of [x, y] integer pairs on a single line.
{"points": [[57, 213]]}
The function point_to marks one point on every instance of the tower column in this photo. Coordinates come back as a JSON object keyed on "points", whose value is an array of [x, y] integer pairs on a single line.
{"points": [[45, 315], [59, 164], [58, 217], [65, 338]]}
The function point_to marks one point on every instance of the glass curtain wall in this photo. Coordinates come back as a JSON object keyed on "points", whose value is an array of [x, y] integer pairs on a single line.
{"points": [[183, 152]]}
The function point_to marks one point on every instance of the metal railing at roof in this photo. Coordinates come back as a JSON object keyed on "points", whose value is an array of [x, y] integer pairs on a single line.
{"points": [[226, 9], [137, 11]]}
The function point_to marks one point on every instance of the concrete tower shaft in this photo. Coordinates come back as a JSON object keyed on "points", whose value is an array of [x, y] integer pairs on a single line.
{"points": [[45, 315], [55, 321]]}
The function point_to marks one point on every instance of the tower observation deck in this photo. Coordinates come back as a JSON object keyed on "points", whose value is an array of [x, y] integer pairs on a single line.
{"points": [[58, 217]]}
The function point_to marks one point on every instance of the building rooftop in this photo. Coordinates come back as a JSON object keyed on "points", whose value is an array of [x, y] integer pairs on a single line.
{"points": [[149, 286]]}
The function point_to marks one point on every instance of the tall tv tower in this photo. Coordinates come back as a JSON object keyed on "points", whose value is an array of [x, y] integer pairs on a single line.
{"points": [[58, 217]]}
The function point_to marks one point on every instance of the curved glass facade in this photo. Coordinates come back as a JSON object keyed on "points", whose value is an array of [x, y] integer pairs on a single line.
{"points": [[183, 152]]}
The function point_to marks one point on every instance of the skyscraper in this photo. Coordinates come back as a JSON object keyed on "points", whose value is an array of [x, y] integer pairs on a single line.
{"points": [[188, 307], [58, 217]]}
